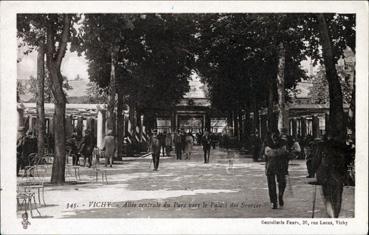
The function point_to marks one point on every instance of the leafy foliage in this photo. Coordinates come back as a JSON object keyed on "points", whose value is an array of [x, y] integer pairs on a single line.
{"points": [[238, 55], [154, 59]]}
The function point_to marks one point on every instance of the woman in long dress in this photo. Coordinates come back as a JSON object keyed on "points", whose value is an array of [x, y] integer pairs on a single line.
{"points": [[188, 145]]}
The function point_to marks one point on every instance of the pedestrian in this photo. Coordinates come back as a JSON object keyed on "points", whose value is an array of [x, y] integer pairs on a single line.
{"points": [[213, 139], [256, 146], [276, 166], [188, 145], [183, 135], [72, 144], [309, 149], [168, 143], [161, 138], [155, 149], [178, 144], [109, 148], [294, 148], [29, 148], [206, 144], [86, 147]]}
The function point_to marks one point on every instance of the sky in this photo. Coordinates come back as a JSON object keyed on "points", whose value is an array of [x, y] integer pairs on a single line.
{"points": [[72, 65]]}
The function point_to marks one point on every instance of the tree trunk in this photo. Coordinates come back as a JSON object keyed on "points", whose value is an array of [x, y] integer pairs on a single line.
{"points": [[111, 104], [270, 126], [140, 121], [120, 124], [352, 115], [337, 122], [133, 119], [241, 126], [234, 124], [246, 129], [40, 100], [282, 113], [352, 111], [54, 58], [58, 170]]}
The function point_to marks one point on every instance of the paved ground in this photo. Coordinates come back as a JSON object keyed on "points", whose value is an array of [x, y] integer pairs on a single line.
{"points": [[230, 186]]}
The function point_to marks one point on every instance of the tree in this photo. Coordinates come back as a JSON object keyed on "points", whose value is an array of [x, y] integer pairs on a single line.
{"points": [[153, 56], [41, 133], [242, 55], [36, 38], [57, 30], [334, 33], [54, 58], [102, 50], [96, 94]]}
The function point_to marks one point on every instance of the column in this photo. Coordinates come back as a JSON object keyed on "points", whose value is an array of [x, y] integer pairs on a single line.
{"points": [[68, 127], [51, 125], [316, 131], [207, 122], [80, 126], [140, 127], [294, 127], [303, 126], [263, 125], [101, 119], [173, 121], [326, 117]]}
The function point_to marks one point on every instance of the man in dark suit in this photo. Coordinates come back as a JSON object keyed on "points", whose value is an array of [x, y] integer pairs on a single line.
{"points": [[86, 147], [155, 148], [206, 143], [276, 166], [178, 144]]}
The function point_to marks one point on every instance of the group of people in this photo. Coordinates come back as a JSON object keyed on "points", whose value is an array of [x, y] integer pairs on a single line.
{"points": [[87, 148], [183, 144], [76, 147]]}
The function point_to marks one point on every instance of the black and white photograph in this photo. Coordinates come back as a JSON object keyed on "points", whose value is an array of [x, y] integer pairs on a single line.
{"points": [[194, 116]]}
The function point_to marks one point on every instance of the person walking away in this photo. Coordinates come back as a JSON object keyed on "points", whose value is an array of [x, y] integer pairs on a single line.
{"points": [[309, 149], [72, 144], [161, 138], [213, 140], [256, 146], [29, 148], [155, 149], [178, 144], [188, 145], [86, 148], [206, 144], [183, 135], [276, 167], [109, 148], [168, 143]]}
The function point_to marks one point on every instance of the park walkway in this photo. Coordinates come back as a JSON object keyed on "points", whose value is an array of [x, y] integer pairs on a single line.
{"points": [[230, 186]]}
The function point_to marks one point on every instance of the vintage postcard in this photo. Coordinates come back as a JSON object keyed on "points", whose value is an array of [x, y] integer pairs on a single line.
{"points": [[184, 117]]}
